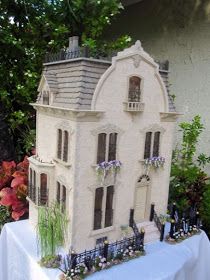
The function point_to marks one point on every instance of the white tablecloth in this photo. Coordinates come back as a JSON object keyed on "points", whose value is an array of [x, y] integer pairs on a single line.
{"points": [[189, 260]]}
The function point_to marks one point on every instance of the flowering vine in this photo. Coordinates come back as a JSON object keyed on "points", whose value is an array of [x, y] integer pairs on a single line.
{"points": [[154, 161], [105, 167]]}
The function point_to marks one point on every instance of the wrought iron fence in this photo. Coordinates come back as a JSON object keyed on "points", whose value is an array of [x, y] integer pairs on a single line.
{"points": [[160, 225], [106, 250]]}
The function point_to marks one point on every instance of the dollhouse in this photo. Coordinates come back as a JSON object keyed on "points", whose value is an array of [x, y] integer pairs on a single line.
{"points": [[93, 114]]}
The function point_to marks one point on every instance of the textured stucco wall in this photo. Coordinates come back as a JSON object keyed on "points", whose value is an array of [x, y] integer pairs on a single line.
{"points": [[184, 40], [109, 97]]}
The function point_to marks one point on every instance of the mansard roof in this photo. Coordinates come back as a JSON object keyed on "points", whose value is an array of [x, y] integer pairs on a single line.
{"points": [[74, 80]]}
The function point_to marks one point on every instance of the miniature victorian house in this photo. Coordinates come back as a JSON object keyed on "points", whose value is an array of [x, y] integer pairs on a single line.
{"points": [[97, 122]]}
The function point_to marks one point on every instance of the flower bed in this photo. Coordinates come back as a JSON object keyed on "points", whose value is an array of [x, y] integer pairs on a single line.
{"points": [[181, 235], [81, 270]]}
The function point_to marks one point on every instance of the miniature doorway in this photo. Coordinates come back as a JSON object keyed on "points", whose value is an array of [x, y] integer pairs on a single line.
{"points": [[141, 202]]}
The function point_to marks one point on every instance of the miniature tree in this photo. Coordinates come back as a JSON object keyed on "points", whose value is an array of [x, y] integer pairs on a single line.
{"points": [[51, 230]]}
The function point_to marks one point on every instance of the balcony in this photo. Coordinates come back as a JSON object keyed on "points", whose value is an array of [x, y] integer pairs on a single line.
{"points": [[133, 106]]}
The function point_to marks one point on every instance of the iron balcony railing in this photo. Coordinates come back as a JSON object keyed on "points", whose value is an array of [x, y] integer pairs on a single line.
{"points": [[66, 54]]}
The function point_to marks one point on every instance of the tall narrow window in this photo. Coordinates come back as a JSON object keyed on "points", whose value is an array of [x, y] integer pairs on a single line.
{"points": [[109, 206], [98, 208], [59, 148], [147, 147], [112, 146], [63, 198], [107, 147], [46, 98], [152, 144], [101, 154], [134, 89], [58, 191], [43, 189], [65, 146], [34, 187], [156, 144]]}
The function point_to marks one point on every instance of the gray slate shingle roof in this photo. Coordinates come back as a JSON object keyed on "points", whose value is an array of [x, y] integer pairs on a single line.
{"points": [[74, 82]]}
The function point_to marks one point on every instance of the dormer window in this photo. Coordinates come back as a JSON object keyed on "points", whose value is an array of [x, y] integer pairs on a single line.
{"points": [[46, 97], [134, 89], [133, 103]]}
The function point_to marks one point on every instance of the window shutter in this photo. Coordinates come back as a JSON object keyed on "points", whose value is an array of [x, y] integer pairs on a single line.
{"points": [[156, 145], [109, 206], [98, 208], [147, 147], [134, 89], [63, 198], [59, 147], [65, 146], [112, 146], [58, 196], [43, 189], [101, 153]]}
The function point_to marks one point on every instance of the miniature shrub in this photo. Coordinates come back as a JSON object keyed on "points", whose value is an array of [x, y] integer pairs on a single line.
{"points": [[189, 183]]}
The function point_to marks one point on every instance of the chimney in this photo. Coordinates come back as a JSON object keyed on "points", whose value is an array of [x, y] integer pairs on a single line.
{"points": [[73, 43]]}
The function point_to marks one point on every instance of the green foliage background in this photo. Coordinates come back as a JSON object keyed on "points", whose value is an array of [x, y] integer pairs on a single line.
{"points": [[190, 185], [29, 29]]}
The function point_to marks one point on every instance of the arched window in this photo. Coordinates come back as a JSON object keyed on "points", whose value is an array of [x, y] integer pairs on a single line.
{"points": [[152, 144], [107, 147], [34, 187], [59, 147], [43, 189], [112, 146], [63, 198], [134, 89], [101, 154], [58, 191], [156, 144], [147, 147], [65, 146], [103, 209]]}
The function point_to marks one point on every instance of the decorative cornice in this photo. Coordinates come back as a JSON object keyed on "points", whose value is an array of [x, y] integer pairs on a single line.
{"points": [[107, 128], [153, 128], [64, 125], [38, 162], [170, 116], [70, 114]]}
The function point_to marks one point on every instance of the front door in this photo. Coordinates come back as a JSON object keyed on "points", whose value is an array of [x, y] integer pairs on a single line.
{"points": [[140, 203]]}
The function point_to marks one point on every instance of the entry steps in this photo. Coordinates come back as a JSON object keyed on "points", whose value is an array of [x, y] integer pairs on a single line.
{"points": [[151, 231]]}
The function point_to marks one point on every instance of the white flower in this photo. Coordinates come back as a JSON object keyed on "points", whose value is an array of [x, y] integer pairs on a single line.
{"points": [[130, 247], [100, 264], [72, 270]]}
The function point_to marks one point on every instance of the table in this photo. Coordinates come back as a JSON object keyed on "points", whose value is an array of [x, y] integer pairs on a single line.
{"points": [[188, 260]]}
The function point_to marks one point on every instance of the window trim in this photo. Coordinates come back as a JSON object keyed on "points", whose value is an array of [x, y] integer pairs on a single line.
{"points": [[103, 208], [65, 162], [141, 86], [60, 202], [107, 145]]}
